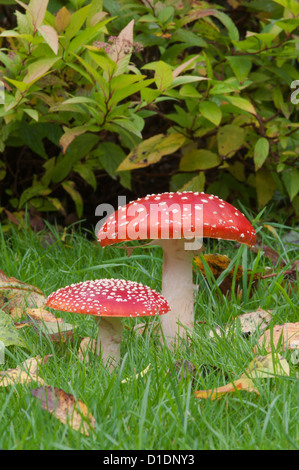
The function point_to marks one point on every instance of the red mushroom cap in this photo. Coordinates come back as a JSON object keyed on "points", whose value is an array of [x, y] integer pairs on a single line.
{"points": [[109, 298], [179, 214]]}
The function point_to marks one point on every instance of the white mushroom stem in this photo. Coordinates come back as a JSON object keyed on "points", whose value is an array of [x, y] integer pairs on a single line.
{"points": [[178, 289], [109, 339]]}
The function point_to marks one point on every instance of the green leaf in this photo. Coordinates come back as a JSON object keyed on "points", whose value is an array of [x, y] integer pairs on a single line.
{"points": [[77, 20], [70, 188], [86, 173], [265, 186], [77, 150], [196, 184], [229, 24], [19, 85], [110, 157], [189, 91], [182, 80], [86, 36], [291, 182], [9, 335], [241, 103], [211, 112], [199, 159], [32, 135], [163, 74], [104, 62], [241, 66], [165, 14], [32, 113], [230, 138], [152, 150], [38, 69], [94, 74], [96, 8], [33, 191], [121, 94], [261, 152]]}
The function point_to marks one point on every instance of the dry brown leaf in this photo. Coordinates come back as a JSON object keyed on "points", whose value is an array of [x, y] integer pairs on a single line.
{"points": [[24, 373], [249, 323], [21, 324], [41, 314], [239, 384], [219, 263], [282, 337], [46, 323], [65, 408], [260, 367], [15, 296]]}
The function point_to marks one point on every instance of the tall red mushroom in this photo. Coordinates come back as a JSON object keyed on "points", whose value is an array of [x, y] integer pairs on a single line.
{"points": [[172, 220], [109, 300]]}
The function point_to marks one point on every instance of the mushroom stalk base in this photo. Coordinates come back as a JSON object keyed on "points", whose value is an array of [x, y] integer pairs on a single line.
{"points": [[178, 290], [109, 339]]}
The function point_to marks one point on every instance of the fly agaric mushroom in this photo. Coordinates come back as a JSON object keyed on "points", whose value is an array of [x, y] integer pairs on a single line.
{"points": [[172, 220], [109, 300]]}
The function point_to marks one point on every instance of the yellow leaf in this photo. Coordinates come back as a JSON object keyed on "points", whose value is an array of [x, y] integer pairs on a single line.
{"points": [[282, 337], [267, 366], [40, 314], [239, 384], [152, 150], [260, 367], [24, 373]]}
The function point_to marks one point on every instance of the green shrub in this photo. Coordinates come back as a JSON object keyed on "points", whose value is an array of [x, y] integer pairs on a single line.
{"points": [[119, 86]]}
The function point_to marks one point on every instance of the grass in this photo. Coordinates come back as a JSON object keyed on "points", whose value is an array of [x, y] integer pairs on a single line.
{"points": [[156, 411]]}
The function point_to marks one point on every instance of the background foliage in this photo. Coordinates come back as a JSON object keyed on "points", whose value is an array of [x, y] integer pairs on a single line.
{"points": [[134, 97]]}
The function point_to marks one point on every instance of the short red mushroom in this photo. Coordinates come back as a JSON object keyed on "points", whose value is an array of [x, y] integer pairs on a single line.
{"points": [[172, 220], [109, 300]]}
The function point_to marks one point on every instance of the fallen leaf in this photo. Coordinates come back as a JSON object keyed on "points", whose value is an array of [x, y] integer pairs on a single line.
{"points": [[270, 365], [16, 295], [24, 373], [56, 332], [46, 323], [248, 323], [21, 324], [219, 263], [282, 337], [9, 335], [65, 408], [260, 367], [41, 314], [239, 384]]}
